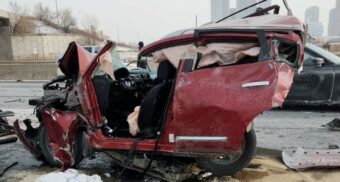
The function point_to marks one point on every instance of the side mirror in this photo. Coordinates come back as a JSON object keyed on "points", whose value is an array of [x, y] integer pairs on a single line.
{"points": [[319, 61]]}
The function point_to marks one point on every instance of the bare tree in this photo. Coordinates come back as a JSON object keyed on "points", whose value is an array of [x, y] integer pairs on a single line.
{"points": [[90, 24], [67, 20], [17, 13], [42, 12]]}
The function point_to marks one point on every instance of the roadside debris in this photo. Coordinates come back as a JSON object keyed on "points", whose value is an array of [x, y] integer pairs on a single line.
{"points": [[70, 175], [8, 139], [16, 100], [300, 158], [5, 129], [334, 125], [7, 168], [205, 175]]}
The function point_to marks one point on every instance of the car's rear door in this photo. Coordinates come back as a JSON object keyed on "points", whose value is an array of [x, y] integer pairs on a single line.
{"points": [[213, 106], [314, 83]]}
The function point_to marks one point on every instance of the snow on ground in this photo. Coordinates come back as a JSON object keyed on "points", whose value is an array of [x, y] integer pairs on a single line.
{"points": [[40, 28]]}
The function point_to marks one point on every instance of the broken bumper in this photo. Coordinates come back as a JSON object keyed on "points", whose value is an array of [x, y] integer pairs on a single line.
{"points": [[28, 138]]}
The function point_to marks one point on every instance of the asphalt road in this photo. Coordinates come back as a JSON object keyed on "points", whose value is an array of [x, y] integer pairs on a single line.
{"points": [[275, 129]]}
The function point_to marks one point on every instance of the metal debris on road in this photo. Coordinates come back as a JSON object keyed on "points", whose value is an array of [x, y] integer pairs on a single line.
{"points": [[16, 100], [334, 125], [7, 168], [8, 139]]}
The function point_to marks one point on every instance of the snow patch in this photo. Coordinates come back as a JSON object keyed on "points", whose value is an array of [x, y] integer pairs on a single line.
{"points": [[40, 28]]}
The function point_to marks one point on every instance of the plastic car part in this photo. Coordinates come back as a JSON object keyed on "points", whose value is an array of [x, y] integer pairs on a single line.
{"points": [[300, 158]]}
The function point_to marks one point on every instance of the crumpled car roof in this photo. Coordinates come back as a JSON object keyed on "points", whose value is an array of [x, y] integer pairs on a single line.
{"points": [[270, 22], [264, 22]]}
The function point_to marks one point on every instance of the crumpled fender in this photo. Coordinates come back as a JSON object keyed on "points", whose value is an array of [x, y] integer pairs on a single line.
{"points": [[61, 129], [284, 82], [27, 138]]}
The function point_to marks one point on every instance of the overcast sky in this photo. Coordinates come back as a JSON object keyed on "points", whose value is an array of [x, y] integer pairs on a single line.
{"points": [[149, 20]]}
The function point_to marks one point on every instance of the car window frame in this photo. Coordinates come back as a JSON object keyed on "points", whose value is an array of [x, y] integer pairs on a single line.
{"points": [[294, 64], [316, 55]]}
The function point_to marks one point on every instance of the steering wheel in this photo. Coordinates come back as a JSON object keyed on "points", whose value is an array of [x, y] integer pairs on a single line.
{"points": [[264, 11], [128, 83], [138, 68]]}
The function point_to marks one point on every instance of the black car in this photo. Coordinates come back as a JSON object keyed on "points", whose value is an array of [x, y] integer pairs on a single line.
{"points": [[319, 81]]}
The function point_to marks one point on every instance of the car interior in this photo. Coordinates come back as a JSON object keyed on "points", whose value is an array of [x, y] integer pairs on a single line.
{"points": [[118, 98]]}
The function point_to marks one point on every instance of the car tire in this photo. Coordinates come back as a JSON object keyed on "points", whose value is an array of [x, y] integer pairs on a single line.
{"points": [[226, 167], [47, 151]]}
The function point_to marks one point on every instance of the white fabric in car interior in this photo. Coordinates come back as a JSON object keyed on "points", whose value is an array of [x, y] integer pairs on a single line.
{"points": [[174, 54], [220, 53], [133, 121], [105, 64], [227, 53]]}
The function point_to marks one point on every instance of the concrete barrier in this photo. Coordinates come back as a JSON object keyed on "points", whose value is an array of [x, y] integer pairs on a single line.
{"points": [[28, 70], [334, 48]]}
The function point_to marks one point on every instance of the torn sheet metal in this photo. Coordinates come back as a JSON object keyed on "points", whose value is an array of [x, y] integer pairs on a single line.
{"points": [[61, 130], [28, 139], [300, 158], [75, 60], [284, 82]]}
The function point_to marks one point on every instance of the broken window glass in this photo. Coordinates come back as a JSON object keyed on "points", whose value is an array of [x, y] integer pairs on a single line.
{"points": [[285, 51]]}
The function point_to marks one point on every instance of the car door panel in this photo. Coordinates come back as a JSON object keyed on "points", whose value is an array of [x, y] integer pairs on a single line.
{"points": [[210, 101], [312, 84], [336, 86]]}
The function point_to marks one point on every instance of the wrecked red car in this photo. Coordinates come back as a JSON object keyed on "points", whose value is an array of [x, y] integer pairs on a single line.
{"points": [[211, 83]]}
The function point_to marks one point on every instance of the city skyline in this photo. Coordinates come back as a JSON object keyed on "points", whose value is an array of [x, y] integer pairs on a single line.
{"points": [[219, 9], [222, 8], [135, 23], [333, 25], [315, 27]]}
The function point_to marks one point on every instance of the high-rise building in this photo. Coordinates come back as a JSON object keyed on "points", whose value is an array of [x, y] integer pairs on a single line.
{"points": [[333, 24], [219, 9], [312, 14], [240, 4], [315, 28]]}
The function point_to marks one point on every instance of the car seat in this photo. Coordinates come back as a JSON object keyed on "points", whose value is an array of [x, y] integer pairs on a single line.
{"points": [[101, 86], [153, 104]]}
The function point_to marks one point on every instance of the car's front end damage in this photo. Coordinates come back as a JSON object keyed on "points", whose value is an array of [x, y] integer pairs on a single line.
{"points": [[59, 110]]}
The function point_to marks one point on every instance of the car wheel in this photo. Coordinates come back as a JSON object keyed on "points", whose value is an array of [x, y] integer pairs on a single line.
{"points": [[230, 164], [46, 150]]}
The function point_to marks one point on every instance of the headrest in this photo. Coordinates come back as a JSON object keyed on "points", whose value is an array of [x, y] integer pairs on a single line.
{"points": [[121, 73], [166, 70]]}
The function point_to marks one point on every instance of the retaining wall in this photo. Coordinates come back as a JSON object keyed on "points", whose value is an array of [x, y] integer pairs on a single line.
{"points": [[28, 71]]}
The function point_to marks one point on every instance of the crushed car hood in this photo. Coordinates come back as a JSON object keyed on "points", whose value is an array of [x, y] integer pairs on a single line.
{"points": [[75, 60]]}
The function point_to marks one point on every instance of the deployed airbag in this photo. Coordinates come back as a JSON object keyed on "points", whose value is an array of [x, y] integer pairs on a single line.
{"points": [[220, 53]]}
